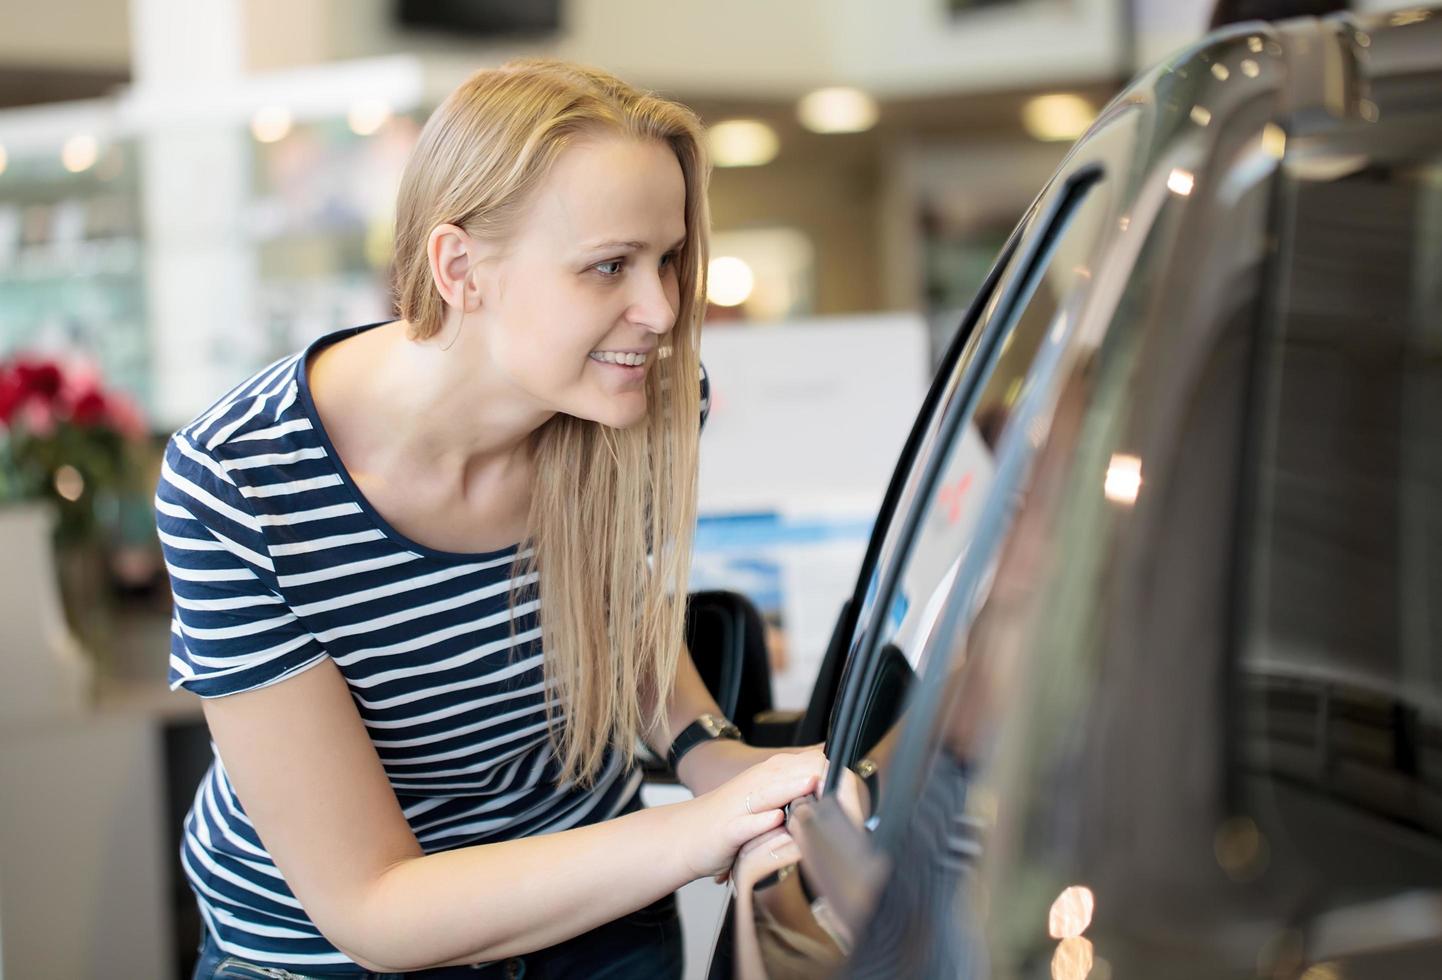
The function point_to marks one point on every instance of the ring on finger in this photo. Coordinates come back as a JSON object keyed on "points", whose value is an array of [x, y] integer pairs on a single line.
{"points": [[748, 805]]}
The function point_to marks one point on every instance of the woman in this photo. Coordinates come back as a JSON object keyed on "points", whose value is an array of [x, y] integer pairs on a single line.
{"points": [[371, 542]]}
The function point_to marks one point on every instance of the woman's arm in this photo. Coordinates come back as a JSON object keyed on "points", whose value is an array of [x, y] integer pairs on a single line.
{"points": [[712, 762], [309, 778]]}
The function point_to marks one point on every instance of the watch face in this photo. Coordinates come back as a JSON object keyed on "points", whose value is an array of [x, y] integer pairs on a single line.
{"points": [[712, 724]]}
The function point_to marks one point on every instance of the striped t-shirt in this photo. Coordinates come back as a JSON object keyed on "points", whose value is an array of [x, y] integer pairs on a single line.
{"points": [[277, 562]]}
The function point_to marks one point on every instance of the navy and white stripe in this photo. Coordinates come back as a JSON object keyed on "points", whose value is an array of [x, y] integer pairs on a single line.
{"points": [[277, 562]]}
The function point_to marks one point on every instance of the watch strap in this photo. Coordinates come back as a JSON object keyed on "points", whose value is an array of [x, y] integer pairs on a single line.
{"points": [[703, 729]]}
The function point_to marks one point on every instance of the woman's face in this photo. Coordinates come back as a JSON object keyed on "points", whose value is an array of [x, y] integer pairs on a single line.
{"points": [[582, 295]]}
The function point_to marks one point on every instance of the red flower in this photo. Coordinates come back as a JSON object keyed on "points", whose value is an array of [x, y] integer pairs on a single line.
{"points": [[11, 394], [38, 416], [38, 394], [39, 378], [89, 408]]}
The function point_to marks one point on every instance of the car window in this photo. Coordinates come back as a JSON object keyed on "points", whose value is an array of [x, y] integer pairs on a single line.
{"points": [[1339, 686], [955, 474]]}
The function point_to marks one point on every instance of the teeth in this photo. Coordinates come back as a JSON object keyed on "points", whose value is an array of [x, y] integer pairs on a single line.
{"points": [[613, 357]]}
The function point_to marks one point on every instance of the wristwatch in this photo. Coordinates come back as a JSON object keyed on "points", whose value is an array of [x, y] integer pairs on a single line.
{"points": [[703, 729]]}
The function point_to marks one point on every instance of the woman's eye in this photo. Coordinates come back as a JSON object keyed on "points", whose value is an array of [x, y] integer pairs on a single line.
{"points": [[668, 259], [605, 268]]}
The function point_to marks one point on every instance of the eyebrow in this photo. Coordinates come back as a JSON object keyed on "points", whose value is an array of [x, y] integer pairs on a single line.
{"points": [[637, 246]]}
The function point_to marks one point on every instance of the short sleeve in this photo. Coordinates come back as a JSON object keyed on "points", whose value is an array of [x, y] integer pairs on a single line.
{"points": [[705, 395], [230, 631]]}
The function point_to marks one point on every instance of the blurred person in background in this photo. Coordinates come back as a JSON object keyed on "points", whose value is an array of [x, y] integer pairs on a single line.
{"points": [[358, 538]]}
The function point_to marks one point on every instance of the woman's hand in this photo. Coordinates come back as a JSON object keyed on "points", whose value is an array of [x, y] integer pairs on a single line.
{"points": [[761, 857], [715, 825]]}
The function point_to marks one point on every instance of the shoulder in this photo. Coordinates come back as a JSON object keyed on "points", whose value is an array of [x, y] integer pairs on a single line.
{"points": [[264, 408], [211, 462]]}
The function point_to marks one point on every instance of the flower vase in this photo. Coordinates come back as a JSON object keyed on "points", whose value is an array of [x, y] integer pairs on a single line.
{"points": [[46, 670]]}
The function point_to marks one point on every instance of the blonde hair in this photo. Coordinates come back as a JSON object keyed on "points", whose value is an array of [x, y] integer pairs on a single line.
{"points": [[612, 510]]}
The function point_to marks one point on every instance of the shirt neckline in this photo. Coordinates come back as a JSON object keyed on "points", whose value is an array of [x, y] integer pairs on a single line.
{"points": [[307, 404]]}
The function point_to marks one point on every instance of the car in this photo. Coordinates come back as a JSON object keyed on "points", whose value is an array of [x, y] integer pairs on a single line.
{"points": [[1144, 663]]}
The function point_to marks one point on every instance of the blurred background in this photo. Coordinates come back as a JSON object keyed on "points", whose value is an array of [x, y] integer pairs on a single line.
{"points": [[191, 190]]}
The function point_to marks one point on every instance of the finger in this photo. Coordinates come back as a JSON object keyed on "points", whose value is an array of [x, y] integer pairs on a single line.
{"points": [[783, 851], [776, 793], [750, 826], [766, 863], [762, 840], [759, 862]]}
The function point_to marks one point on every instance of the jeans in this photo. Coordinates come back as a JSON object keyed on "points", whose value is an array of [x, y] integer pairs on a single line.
{"points": [[645, 944]]}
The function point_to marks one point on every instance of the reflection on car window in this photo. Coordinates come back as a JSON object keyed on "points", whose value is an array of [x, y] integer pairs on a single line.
{"points": [[954, 506], [954, 480], [1341, 679]]}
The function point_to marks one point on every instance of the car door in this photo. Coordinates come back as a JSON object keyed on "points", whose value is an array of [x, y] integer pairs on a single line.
{"points": [[942, 488], [1082, 283]]}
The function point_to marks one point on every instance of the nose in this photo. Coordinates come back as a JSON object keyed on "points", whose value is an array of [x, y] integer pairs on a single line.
{"points": [[652, 307]]}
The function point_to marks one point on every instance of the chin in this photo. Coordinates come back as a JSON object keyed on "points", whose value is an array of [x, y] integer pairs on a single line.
{"points": [[624, 420], [616, 413]]}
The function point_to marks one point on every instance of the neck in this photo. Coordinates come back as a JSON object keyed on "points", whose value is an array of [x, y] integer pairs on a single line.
{"points": [[434, 409]]}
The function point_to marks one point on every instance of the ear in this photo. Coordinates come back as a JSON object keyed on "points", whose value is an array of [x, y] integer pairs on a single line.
{"points": [[453, 255]]}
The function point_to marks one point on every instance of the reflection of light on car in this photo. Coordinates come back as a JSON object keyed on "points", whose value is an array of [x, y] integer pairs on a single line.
{"points": [[1071, 913], [729, 281], [1072, 960], [1241, 849], [1180, 181], [1404, 17], [1274, 141], [1124, 479]]}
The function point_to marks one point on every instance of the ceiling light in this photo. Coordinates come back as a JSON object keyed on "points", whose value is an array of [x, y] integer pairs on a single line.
{"points": [[368, 116], [742, 143], [1057, 117], [837, 110], [80, 153], [271, 124]]}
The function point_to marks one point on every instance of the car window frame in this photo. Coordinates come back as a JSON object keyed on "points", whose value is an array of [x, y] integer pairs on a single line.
{"points": [[997, 315]]}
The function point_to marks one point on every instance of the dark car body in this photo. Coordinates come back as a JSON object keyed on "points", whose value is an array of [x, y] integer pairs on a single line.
{"points": [[1150, 630]]}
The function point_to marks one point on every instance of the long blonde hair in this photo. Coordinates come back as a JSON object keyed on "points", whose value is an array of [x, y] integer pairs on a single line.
{"points": [[612, 510]]}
